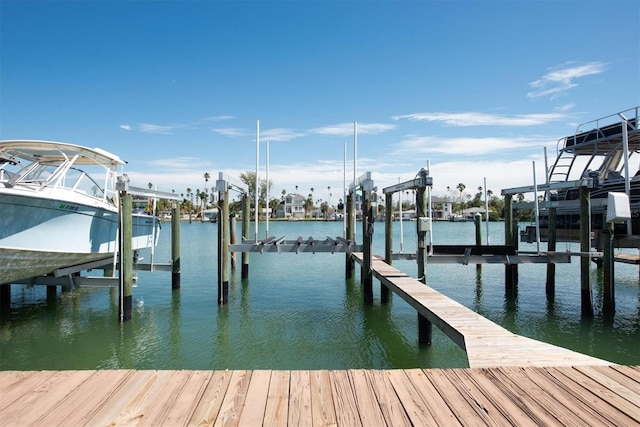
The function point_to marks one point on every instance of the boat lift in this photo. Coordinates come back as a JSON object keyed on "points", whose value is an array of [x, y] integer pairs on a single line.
{"points": [[71, 273]]}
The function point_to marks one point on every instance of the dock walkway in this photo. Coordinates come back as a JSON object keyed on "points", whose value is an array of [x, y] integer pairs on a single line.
{"points": [[486, 343], [579, 396]]}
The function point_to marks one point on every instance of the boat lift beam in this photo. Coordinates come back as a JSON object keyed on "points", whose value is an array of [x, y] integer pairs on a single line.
{"points": [[146, 192], [418, 182], [583, 182], [281, 245]]}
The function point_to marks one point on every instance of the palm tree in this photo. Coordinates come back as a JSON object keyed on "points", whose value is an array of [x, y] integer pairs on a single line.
{"points": [[190, 197], [461, 188], [149, 203]]}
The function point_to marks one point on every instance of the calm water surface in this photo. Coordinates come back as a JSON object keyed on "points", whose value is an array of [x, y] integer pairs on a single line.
{"points": [[298, 312]]}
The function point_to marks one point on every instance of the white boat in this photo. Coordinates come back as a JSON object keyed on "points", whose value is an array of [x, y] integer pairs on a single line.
{"points": [[59, 208], [607, 150]]}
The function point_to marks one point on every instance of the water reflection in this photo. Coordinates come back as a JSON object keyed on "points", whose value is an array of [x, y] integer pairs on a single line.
{"points": [[298, 312]]}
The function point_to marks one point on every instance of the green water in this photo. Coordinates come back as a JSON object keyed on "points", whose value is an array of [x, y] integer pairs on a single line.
{"points": [[298, 312]]}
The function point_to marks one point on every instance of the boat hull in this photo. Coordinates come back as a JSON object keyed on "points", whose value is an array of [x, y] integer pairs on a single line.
{"points": [[39, 235]]}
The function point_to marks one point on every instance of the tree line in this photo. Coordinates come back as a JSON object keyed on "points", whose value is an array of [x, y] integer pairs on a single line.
{"points": [[461, 199]]}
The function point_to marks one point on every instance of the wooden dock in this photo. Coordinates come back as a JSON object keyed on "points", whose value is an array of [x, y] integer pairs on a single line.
{"points": [[486, 343], [578, 396]]}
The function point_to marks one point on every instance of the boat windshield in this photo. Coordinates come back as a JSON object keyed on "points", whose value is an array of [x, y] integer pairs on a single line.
{"points": [[37, 173], [74, 178], [80, 181]]}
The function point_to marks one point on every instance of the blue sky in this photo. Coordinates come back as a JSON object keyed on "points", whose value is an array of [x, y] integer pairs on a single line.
{"points": [[477, 88]]}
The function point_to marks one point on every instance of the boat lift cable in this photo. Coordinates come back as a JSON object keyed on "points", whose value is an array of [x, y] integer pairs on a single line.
{"points": [[400, 212]]}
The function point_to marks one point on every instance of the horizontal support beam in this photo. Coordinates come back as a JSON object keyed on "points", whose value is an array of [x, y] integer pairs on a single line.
{"points": [[153, 267], [409, 185], [584, 182], [145, 192], [543, 258], [78, 281], [295, 246]]}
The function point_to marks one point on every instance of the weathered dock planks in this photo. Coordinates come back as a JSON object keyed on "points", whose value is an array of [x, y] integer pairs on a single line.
{"points": [[486, 343], [574, 396]]}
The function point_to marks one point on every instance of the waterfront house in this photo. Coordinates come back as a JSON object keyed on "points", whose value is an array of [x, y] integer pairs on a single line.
{"points": [[292, 206]]}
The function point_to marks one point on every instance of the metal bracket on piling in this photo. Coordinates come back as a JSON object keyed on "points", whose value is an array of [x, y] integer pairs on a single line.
{"points": [[278, 242], [331, 242], [467, 255]]}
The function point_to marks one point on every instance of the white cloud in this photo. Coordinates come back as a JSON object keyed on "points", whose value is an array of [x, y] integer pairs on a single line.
{"points": [[218, 118], [562, 78], [346, 129], [279, 135], [160, 129], [500, 174], [125, 127], [467, 146], [483, 119], [180, 163], [230, 131]]}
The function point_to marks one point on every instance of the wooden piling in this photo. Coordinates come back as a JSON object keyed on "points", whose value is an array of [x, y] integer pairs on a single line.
{"points": [[367, 233], [52, 293], [351, 221], [477, 220], [246, 211], [608, 297], [223, 248], [425, 327], [510, 239], [551, 247], [385, 293], [5, 298], [126, 257], [175, 247], [585, 246], [232, 238]]}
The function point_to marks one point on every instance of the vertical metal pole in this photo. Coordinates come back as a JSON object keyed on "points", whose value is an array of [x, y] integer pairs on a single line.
{"points": [[266, 234], [627, 177], [344, 194], [355, 171], [175, 247], [257, 183]]}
